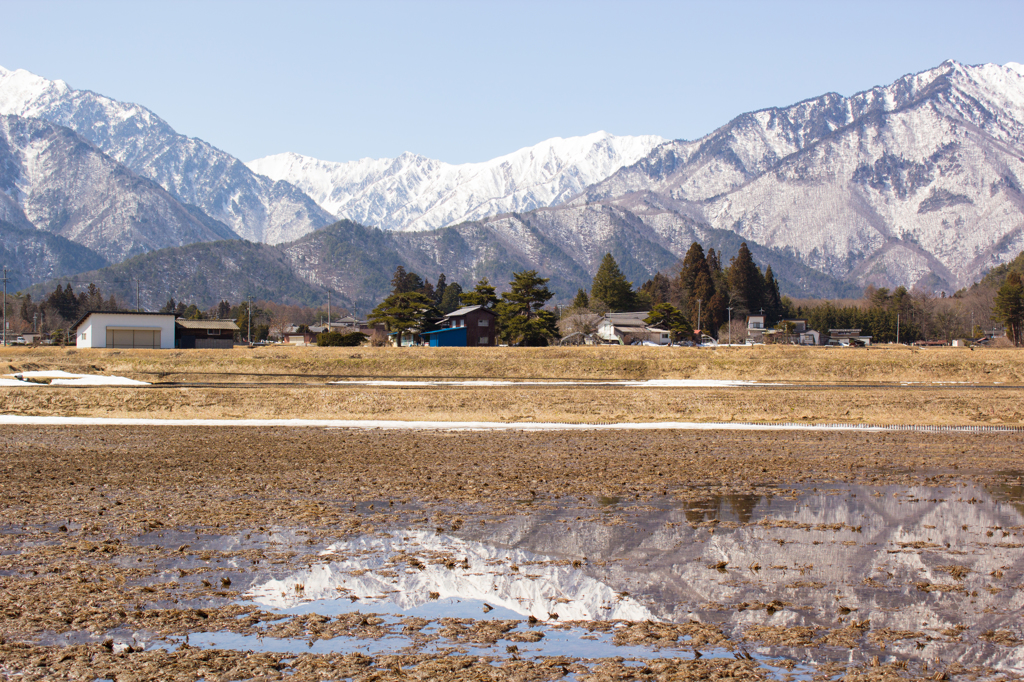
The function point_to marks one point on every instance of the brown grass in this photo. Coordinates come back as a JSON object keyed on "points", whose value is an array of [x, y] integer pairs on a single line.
{"points": [[760, 363], [858, 386]]}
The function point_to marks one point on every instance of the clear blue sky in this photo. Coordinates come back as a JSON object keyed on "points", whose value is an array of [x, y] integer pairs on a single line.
{"points": [[467, 81]]}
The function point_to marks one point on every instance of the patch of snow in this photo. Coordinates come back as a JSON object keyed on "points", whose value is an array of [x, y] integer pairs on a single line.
{"points": [[16, 382], [62, 378]]}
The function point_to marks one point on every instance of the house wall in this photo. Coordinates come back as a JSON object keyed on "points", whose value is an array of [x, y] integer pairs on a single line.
{"points": [[481, 328], [92, 333]]}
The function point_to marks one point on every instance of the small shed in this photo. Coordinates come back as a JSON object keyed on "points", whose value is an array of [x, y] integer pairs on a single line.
{"points": [[120, 329], [205, 333]]}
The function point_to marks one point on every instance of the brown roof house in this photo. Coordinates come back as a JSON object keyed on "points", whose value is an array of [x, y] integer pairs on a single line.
{"points": [[205, 333]]}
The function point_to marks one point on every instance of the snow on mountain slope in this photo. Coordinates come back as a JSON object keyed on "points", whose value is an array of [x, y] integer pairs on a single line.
{"points": [[65, 186], [195, 172], [414, 193], [917, 182]]}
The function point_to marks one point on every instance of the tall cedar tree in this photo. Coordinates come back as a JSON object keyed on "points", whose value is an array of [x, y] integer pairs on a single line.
{"points": [[611, 287], [745, 283], [772, 301], [1009, 308], [442, 284], [581, 300], [520, 318], [483, 294], [450, 300], [658, 289], [693, 262]]}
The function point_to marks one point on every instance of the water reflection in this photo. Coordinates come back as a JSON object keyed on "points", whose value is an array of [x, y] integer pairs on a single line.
{"points": [[410, 569], [841, 574]]}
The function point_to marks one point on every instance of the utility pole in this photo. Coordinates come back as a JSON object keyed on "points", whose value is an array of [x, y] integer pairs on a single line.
{"points": [[5, 306], [698, 319], [328, 310], [248, 320], [138, 296], [730, 324], [897, 329]]}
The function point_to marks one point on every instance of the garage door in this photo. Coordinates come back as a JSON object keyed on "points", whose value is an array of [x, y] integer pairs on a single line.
{"points": [[133, 338]]}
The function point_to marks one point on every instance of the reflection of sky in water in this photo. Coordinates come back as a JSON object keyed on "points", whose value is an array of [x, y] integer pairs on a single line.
{"points": [[520, 583]]}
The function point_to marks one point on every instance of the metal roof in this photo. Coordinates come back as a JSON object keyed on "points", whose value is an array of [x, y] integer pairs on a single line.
{"points": [[468, 309], [114, 312], [207, 324]]}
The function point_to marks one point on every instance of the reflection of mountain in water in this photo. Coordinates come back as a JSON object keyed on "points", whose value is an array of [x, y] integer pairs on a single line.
{"points": [[833, 558], [405, 568]]}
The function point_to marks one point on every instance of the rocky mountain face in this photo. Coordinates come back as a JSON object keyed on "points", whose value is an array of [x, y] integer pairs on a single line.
{"points": [[54, 181], [413, 193], [32, 255], [205, 274], [918, 182], [356, 262], [194, 172]]}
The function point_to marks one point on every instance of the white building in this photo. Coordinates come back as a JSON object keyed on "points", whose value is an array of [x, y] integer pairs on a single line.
{"points": [[626, 328], [110, 329]]}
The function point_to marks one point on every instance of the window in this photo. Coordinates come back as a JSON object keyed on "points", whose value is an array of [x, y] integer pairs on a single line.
{"points": [[83, 336], [483, 322], [483, 341], [213, 332]]}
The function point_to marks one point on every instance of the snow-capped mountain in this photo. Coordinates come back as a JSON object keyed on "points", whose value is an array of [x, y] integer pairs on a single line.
{"points": [[54, 181], [195, 172], [413, 193], [918, 182]]}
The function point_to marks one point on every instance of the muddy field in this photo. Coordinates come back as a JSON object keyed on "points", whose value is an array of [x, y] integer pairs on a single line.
{"points": [[245, 553]]}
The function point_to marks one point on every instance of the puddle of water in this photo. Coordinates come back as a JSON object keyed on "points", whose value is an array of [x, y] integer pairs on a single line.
{"points": [[908, 564]]}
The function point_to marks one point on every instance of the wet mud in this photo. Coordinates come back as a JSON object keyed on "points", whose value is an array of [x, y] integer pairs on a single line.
{"points": [[223, 553]]}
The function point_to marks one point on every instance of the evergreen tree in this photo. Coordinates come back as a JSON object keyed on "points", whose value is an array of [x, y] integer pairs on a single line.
{"points": [[693, 263], [404, 311], [611, 287], [399, 281], [450, 300], [520, 318], [442, 284], [701, 293], [581, 300], [1009, 308], [667, 316], [482, 294], [169, 306], [658, 289], [772, 300], [223, 310], [745, 283]]}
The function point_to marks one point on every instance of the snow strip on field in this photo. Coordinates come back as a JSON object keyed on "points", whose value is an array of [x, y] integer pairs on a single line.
{"points": [[650, 383], [425, 425], [61, 378]]}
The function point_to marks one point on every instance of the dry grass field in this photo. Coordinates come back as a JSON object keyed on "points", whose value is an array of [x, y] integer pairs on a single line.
{"points": [[881, 385], [758, 363]]}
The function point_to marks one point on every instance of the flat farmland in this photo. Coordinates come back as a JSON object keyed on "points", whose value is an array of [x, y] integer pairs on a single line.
{"points": [[271, 551]]}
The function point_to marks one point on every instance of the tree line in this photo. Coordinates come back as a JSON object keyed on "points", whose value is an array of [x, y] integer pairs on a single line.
{"points": [[413, 305]]}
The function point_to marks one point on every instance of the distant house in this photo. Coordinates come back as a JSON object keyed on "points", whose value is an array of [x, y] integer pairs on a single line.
{"points": [[755, 328], [628, 328], [117, 329], [847, 337], [205, 333], [473, 325]]}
